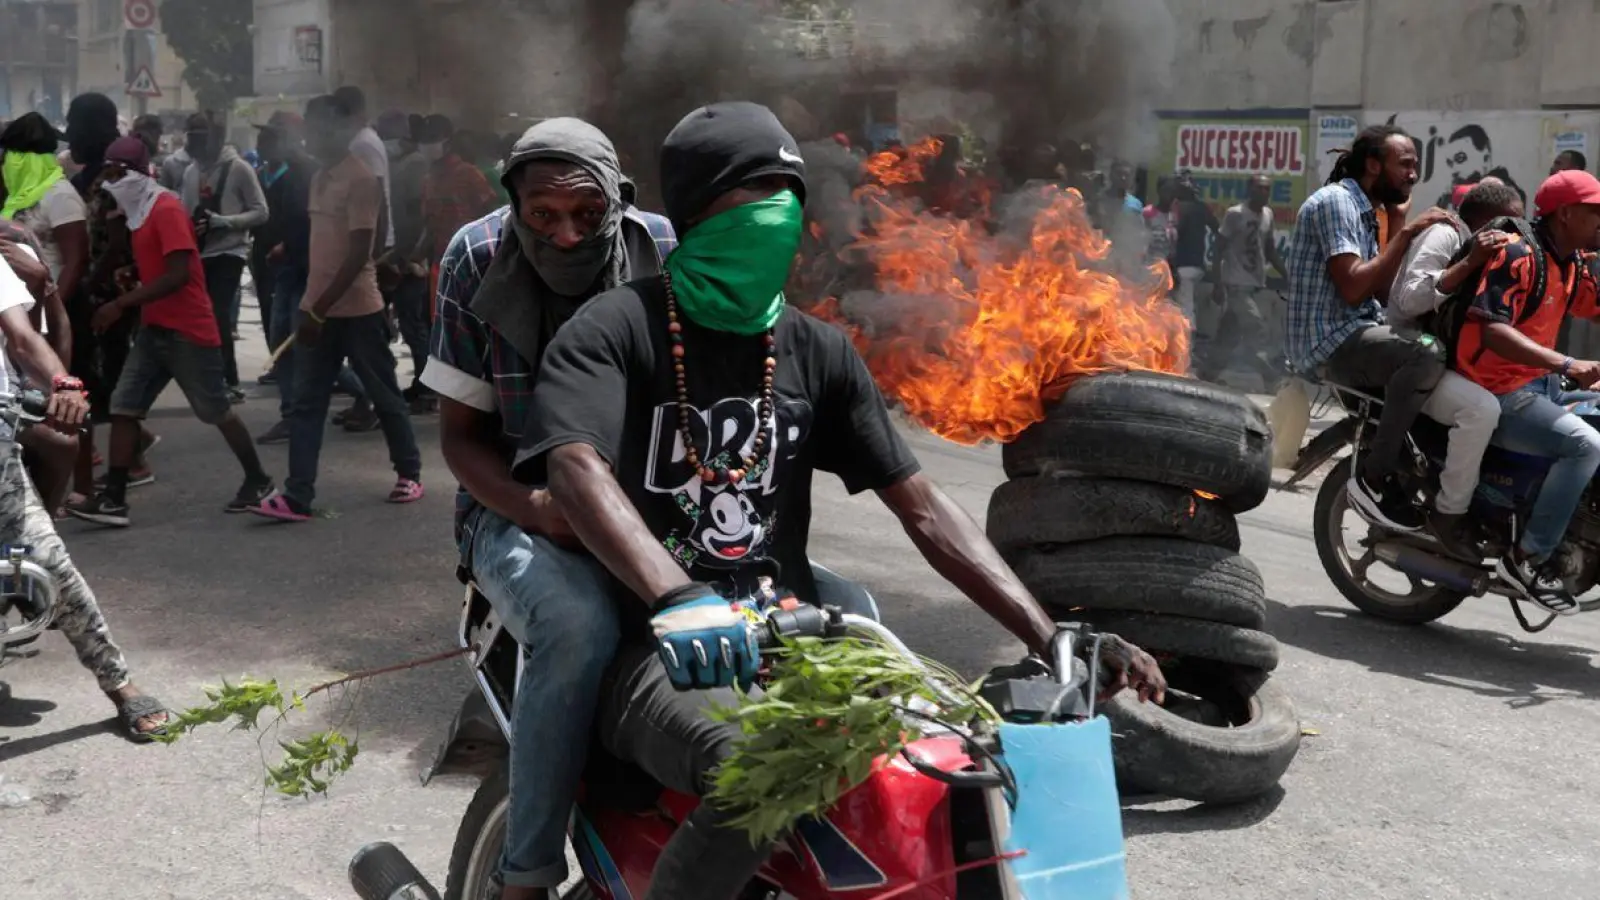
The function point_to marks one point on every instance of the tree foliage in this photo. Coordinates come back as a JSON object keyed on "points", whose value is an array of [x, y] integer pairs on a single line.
{"points": [[213, 38]]}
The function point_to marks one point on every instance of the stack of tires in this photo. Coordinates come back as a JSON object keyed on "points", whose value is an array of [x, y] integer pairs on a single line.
{"points": [[1120, 511]]}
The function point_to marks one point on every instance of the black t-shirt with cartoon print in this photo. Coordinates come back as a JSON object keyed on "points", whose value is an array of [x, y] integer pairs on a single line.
{"points": [[607, 381]]}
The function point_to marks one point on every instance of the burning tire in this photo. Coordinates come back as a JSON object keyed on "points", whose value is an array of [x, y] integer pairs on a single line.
{"points": [[1162, 429], [1192, 639], [1239, 758], [1031, 513], [1150, 575]]}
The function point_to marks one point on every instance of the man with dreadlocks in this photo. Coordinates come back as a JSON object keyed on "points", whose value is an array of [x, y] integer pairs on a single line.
{"points": [[1338, 283]]}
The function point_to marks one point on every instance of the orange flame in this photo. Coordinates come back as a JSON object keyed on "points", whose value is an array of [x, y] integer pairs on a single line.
{"points": [[993, 327]]}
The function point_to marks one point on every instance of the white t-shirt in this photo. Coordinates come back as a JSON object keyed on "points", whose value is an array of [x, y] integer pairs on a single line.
{"points": [[13, 293], [59, 206], [368, 147]]}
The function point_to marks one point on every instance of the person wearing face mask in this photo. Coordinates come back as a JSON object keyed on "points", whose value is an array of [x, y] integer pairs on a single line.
{"points": [[178, 338], [341, 319], [677, 422], [508, 281], [224, 197]]}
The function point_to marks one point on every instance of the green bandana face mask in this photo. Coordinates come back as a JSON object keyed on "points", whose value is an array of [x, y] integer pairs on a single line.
{"points": [[729, 271], [27, 176]]}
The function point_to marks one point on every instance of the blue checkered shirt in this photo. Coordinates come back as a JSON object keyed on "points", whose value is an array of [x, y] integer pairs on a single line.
{"points": [[471, 363], [1336, 220]]}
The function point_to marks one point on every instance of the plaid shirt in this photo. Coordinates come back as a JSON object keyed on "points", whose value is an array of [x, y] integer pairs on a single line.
{"points": [[468, 361], [1336, 220], [453, 191]]}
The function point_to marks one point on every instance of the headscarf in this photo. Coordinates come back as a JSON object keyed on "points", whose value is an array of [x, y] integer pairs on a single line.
{"points": [[135, 192], [30, 166], [532, 286], [527, 264]]}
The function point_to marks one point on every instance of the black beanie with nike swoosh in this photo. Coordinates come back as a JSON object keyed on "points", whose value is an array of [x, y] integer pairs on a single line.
{"points": [[719, 147]]}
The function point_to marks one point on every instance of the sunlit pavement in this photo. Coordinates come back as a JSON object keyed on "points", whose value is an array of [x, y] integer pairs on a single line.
{"points": [[1451, 761]]}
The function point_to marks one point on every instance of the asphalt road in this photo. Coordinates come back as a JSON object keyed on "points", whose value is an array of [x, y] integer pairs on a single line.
{"points": [[1452, 761]]}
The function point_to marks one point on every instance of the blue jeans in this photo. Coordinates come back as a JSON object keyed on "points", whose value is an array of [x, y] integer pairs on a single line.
{"points": [[364, 341], [288, 289], [1532, 421], [558, 605]]}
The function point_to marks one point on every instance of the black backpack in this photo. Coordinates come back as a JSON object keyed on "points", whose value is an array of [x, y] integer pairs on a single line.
{"points": [[1447, 320]]}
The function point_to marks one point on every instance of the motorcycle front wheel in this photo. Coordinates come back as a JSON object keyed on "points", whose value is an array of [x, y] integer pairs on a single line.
{"points": [[479, 840], [1355, 570]]}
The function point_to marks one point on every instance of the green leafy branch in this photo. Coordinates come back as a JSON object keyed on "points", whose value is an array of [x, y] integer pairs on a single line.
{"points": [[830, 714], [308, 765]]}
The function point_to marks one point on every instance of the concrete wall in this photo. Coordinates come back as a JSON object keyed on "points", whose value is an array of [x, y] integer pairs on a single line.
{"points": [[1242, 54], [283, 68]]}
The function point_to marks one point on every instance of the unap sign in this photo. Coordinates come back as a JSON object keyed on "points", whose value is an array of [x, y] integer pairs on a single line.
{"points": [[1244, 149]]}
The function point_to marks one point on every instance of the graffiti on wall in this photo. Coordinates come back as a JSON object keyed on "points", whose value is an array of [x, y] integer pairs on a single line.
{"points": [[1462, 147], [1452, 153]]}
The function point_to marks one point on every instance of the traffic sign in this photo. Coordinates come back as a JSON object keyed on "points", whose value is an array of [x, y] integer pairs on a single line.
{"points": [[139, 13], [143, 84]]}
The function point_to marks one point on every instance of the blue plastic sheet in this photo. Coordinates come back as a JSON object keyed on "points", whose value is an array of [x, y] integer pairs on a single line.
{"points": [[1068, 817]]}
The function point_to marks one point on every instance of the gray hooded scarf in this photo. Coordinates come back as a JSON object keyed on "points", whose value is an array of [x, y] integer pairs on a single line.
{"points": [[532, 286]]}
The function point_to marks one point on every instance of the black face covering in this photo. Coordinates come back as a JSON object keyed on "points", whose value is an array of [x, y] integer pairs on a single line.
{"points": [[568, 272], [198, 145]]}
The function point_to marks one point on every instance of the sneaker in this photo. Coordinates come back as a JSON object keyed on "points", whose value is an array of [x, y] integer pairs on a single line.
{"points": [[1385, 504], [250, 495], [422, 406], [101, 510], [267, 380], [279, 508], [1537, 583], [277, 434], [236, 395], [1450, 532]]}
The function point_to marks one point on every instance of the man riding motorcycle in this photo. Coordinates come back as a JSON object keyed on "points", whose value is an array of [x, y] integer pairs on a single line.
{"points": [[691, 481], [1510, 352], [507, 282]]}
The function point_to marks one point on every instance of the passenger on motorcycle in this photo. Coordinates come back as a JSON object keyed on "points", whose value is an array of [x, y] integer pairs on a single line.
{"points": [[506, 283], [24, 519], [1426, 280], [1338, 279], [678, 422], [1511, 353]]}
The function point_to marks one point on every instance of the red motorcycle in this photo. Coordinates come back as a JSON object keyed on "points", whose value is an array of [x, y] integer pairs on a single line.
{"points": [[1024, 811]]}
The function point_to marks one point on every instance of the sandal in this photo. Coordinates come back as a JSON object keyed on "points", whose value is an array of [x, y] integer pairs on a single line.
{"points": [[130, 711], [406, 491]]}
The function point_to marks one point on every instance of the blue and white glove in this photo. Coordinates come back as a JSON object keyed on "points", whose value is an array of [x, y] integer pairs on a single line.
{"points": [[706, 641]]}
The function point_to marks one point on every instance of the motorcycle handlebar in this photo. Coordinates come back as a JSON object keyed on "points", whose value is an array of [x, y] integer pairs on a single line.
{"points": [[800, 621]]}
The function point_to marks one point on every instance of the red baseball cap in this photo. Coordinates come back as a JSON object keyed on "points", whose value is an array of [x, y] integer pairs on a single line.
{"points": [[1460, 193], [1565, 189], [130, 153]]}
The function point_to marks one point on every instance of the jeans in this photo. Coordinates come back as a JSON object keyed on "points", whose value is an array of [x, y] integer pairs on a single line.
{"points": [[1406, 366], [558, 604], [223, 274], [1472, 414], [1533, 422], [289, 289], [410, 299], [364, 341]]}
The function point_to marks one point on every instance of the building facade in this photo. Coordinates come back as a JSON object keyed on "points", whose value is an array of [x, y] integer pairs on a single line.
{"points": [[103, 53], [38, 56]]}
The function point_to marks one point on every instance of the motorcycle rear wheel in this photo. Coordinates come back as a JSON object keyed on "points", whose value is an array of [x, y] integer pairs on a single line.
{"points": [[481, 836], [1424, 602]]}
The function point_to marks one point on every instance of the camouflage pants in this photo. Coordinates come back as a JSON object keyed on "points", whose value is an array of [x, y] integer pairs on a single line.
{"points": [[25, 522]]}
